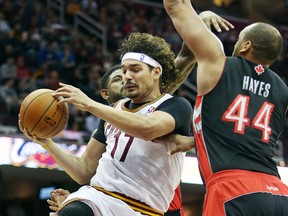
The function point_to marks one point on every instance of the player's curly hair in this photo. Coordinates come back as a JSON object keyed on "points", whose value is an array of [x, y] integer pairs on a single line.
{"points": [[158, 49]]}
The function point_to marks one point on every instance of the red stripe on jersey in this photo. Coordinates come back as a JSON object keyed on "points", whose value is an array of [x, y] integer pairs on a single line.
{"points": [[204, 163], [177, 201], [198, 119], [202, 154], [198, 101]]}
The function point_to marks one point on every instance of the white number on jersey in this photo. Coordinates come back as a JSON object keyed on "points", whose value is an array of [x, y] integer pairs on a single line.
{"points": [[237, 113]]}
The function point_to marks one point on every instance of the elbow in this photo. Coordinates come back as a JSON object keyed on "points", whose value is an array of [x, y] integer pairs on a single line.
{"points": [[84, 177], [82, 180], [147, 137], [146, 132]]}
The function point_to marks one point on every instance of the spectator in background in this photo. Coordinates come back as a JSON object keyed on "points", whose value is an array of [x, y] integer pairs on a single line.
{"points": [[4, 26], [9, 51], [23, 72], [52, 81], [48, 55], [67, 60], [8, 69], [9, 94], [91, 122], [16, 36], [90, 7], [94, 81], [72, 8]]}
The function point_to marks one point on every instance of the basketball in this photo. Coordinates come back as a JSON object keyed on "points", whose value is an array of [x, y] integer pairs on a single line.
{"points": [[41, 115]]}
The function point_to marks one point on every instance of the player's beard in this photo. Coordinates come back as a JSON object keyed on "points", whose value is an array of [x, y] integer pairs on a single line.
{"points": [[118, 96], [132, 94]]}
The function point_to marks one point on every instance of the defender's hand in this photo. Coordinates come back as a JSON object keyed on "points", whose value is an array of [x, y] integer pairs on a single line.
{"points": [[183, 143], [219, 23]]}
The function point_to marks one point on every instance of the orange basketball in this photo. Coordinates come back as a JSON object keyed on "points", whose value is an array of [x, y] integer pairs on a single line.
{"points": [[41, 115]]}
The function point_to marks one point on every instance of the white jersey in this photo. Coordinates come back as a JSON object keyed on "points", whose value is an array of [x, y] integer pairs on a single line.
{"points": [[137, 168], [100, 203]]}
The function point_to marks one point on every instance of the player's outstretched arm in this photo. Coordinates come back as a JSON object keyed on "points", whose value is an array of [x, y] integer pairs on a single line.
{"points": [[81, 169], [149, 127], [185, 60], [206, 47]]}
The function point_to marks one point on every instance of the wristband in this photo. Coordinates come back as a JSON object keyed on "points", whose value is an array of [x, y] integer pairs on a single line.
{"points": [[47, 145]]}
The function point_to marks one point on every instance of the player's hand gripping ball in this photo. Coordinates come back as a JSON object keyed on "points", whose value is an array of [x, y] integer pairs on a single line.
{"points": [[41, 115]]}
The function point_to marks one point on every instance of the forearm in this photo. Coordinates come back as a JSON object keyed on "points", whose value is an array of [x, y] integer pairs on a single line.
{"points": [[200, 40], [134, 124], [184, 62], [144, 127], [74, 166]]}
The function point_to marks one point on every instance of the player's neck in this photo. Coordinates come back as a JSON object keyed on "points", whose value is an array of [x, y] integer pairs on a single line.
{"points": [[251, 59], [134, 105], [148, 97]]}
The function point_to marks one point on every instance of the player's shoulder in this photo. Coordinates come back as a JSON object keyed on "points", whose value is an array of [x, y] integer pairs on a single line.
{"points": [[178, 101]]}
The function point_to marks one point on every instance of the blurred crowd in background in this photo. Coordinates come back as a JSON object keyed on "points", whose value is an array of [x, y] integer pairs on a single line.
{"points": [[38, 50]]}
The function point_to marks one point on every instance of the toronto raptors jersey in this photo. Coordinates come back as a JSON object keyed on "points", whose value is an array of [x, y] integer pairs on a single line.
{"points": [[137, 168], [237, 124]]}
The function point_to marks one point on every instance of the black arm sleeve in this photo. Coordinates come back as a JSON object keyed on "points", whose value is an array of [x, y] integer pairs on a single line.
{"points": [[99, 135], [181, 110]]}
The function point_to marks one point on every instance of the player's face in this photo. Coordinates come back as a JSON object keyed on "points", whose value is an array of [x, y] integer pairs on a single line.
{"points": [[139, 80], [115, 86]]}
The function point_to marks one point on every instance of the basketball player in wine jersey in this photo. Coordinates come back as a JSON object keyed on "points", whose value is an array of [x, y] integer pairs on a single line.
{"points": [[239, 114]]}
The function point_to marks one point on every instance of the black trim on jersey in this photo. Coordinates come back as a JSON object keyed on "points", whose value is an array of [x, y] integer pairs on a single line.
{"points": [[99, 135], [179, 108]]}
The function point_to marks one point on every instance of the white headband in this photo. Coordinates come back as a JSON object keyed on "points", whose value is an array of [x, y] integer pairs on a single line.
{"points": [[141, 57]]}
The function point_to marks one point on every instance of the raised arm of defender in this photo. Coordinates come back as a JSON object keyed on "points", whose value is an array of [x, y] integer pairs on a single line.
{"points": [[185, 60], [204, 44]]}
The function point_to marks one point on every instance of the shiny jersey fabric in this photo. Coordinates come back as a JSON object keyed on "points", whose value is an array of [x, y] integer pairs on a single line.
{"points": [[237, 124]]}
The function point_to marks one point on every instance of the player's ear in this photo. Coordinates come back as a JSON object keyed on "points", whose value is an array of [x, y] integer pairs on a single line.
{"points": [[246, 47], [105, 93], [157, 72]]}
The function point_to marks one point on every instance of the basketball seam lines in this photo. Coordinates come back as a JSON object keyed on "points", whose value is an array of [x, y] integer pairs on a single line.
{"points": [[57, 123], [24, 114], [43, 115]]}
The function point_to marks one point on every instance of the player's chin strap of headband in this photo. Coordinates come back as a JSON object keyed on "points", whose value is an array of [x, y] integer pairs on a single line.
{"points": [[143, 58]]}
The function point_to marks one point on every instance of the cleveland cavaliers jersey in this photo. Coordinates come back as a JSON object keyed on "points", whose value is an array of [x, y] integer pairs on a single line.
{"points": [[137, 168], [237, 124]]}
